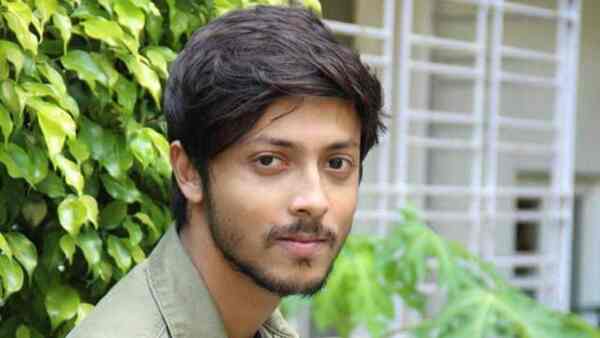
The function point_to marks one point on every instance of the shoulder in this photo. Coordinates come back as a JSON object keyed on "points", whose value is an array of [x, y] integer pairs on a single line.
{"points": [[128, 310]]}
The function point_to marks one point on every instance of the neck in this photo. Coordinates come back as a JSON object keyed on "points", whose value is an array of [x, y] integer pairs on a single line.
{"points": [[243, 305]]}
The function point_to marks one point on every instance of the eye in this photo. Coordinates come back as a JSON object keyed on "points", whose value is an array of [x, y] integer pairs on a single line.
{"points": [[339, 163], [336, 163], [266, 160], [269, 163]]}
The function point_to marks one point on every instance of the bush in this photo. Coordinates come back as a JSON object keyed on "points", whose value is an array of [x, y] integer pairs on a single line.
{"points": [[475, 301], [84, 168]]}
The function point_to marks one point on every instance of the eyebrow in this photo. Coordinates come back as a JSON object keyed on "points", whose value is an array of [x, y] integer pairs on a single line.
{"points": [[279, 142]]}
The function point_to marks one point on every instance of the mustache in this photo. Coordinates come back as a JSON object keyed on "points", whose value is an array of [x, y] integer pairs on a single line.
{"points": [[310, 228]]}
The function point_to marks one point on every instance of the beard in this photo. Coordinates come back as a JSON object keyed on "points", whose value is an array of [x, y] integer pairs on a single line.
{"points": [[227, 241]]}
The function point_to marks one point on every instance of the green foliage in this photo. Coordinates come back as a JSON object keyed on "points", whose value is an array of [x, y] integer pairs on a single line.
{"points": [[84, 167], [371, 271]]}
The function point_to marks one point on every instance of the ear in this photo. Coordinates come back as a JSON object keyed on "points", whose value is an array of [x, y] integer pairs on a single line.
{"points": [[187, 176]]}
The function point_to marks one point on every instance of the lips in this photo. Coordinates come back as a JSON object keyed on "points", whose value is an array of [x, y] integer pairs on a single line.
{"points": [[303, 246]]}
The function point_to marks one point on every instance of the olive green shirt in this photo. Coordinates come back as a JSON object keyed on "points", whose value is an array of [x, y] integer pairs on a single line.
{"points": [[162, 297]]}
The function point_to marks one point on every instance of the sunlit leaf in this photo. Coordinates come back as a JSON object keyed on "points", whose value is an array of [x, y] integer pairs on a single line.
{"points": [[130, 16], [145, 76], [63, 24], [62, 303], [14, 99], [4, 247], [46, 8], [16, 160], [6, 124], [160, 57], [134, 231], [53, 76], [11, 52], [82, 311], [11, 274], [56, 124], [72, 214], [18, 17], [86, 68], [91, 207], [71, 172], [23, 250], [107, 67], [67, 245], [91, 245], [123, 189], [118, 251], [23, 332]]}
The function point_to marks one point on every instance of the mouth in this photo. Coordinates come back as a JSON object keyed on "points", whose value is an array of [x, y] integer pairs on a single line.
{"points": [[303, 246]]}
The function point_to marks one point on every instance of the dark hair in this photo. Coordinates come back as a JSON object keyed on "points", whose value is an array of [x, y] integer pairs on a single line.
{"points": [[237, 65]]}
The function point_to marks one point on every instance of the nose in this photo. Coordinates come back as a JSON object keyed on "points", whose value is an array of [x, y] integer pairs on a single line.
{"points": [[310, 196]]}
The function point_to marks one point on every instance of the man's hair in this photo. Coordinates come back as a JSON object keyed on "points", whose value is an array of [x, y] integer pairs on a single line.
{"points": [[233, 68]]}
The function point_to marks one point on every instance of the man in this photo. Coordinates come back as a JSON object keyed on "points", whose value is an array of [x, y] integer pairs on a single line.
{"points": [[269, 120]]}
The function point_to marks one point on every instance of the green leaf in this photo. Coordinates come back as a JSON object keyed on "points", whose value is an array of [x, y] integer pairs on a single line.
{"points": [[23, 250], [23, 332], [71, 172], [137, 253], [162, 146], [113, 214], [18, 17], [118, 251], [122, 189], [67, 245], [86, 68], [53, 76], [14, 99], [46, 8], [72, 213], [56, 124], [107, 67], [160, 57], [154, 231], [16, 160], [34, 211], [154, 28], [99, 141], [6, 124], [62, 303], [11, 52], [79, 150], [130, 16], [64, 26], [145, 76], [52, 186], [118, 162], [39, 164], [126, 94], [91, 245], [103, 270], [142, 148], [105, 30], [91, 207], [314, 5], [82, 311], [134, 231], [4, 69], [4, 247], [11, 274]]}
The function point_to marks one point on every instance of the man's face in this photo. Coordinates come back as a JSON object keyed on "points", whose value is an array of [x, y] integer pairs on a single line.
{"points": [[281, 201]]}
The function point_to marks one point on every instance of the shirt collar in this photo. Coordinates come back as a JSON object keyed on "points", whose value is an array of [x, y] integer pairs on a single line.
{"points": [[183, 299]]}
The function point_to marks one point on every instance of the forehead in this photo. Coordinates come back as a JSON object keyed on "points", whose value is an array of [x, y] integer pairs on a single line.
{"points": [[308, 118]]}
